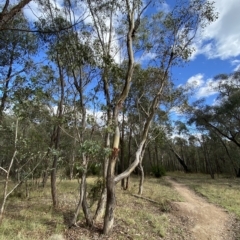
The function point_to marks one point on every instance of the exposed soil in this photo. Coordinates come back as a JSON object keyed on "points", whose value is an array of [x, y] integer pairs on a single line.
{"points": [[203, 220]]}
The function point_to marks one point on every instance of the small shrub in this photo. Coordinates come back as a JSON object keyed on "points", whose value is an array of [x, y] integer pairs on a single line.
{"points": [[95, 169], [158, 171]]}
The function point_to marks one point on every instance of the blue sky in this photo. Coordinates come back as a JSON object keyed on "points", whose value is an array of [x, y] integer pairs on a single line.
{"points": [[217, 51], [217, 48]]}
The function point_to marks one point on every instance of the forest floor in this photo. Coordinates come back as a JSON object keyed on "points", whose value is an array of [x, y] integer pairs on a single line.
{"points": [[176, 207], [190, 218]]}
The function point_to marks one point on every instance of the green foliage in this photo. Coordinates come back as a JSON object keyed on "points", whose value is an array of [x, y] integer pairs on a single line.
{"points": [[95, 169], [90, 148], [158, 171], [95, 190]]}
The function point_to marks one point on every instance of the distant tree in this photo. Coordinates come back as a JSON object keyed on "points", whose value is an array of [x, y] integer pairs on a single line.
{"points": [[16, 49]]}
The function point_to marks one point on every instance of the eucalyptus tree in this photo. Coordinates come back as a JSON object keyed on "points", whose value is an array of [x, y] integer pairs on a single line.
{"points": [[23, 144], [141, 107], [105, 16], [80, 65], [16, 49], [54, 52], [73, 57], [222, 118], [171, 43], [173, 33], [9, 11]]}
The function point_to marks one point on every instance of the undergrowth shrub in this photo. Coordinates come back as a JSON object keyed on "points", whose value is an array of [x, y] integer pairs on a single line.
{"points": [[158, 171]]}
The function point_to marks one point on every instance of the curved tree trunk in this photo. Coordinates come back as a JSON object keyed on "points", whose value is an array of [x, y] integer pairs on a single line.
{"points": [[81, 193], [180, 160]]}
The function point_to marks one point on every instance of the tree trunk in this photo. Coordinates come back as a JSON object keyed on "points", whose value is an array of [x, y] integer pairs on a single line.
{"points": [[180, 160], [44, 178], [129, 157], [111, 199], [5, 89], [57, 137], [81, 193], [8, 14], [53, 182], [7, 172], [102, 201], [140, 189], [72, 161], [238, 174], [111, 202], [122, 151]]}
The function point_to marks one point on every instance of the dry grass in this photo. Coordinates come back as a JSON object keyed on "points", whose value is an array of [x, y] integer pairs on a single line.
{"points": [[136, 218], [144, 219]]}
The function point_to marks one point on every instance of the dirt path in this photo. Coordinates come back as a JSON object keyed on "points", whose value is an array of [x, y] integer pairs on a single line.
{"points": [[207, 222]]}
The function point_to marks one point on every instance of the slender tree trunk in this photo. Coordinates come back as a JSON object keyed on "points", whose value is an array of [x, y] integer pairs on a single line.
{"points": [[82, 195], [106, 48], [122, 151], [237, 171], [129, 158], [180, 160], [7, 172], [150, 157], [140, 189], [72, 162], [207, 160], [103, 198], [156, 152], [53, 180], [57, 137], [5, 89], [82, 190]]}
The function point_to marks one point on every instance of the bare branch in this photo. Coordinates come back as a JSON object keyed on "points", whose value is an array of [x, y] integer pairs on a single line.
{"points": [[3, 169]]}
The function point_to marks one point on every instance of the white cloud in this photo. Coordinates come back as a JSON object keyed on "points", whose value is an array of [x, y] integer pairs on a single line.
{"points": [[145, 57], [177, 111], [195, 81], [207, 89], [236, 63], [163, 6], [31, 11], [201, 87], [221, 39]]}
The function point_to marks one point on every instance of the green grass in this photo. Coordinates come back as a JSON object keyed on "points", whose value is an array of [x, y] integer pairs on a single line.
{"points": [[222, 191]]}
